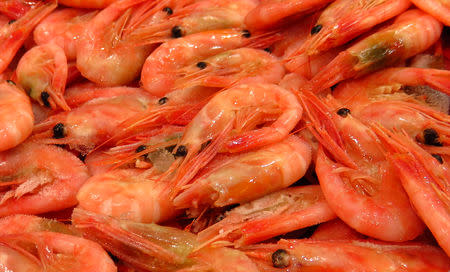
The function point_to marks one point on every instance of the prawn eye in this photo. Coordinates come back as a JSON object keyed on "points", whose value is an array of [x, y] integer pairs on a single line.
{"points": [[438, 158], [140, 148], [280, 258], [11, 82], [431, 137], [44, 97], [316, 29], [246, 33], [163, 100], [168, 10], [170, 148], [11, 22], [202, 65], [334, 87], [343, 112], [268, 50], [181, 151], [58, 131], [176, 32]]}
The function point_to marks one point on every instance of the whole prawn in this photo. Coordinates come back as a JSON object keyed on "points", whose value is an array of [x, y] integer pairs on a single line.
{"points": [[17, 118], [412, 32]]}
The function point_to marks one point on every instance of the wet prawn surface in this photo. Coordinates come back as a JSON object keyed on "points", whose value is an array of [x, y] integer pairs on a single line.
{"points": [[207, 135]]}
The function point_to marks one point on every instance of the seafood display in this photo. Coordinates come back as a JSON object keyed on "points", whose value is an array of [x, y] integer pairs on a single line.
{"points": [[224, 136]]}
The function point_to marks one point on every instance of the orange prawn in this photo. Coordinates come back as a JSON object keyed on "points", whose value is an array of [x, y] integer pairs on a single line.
{"points": [[243, 177], [228, 123], [17, 118], [413, 32], [269, 216], [14, 34], [426, 180], [37, 178], [360, 185], [42, 72]]}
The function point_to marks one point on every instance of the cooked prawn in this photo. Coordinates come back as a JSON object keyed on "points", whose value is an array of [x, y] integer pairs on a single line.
{"points": [[42, 72], [157, 248], [17, 118], [413, 32], [426, 180], [14, 34], [161, 68], [231, 67], [39, 178], [438, 8], [243, 177], [344, 20], [367, 194], [340, 256], [269, 216], [270, 13], [63, 27], [228, 121]]}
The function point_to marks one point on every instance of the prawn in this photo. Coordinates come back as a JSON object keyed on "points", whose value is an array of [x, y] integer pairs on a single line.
{"points": [[439, 9], [161, 68], [271, 13], [243, 177], [14, 34], [51, 251], [42, 72], [426, 180], [231, 67], [269, 216], [17, 118], [344, 20], [365, 194], [63, 27], [151, 247], [92, 123], [412, 32], [37, 178], [311, 255], [228, 121]]}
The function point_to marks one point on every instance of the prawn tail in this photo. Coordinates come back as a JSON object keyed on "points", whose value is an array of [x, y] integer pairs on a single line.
{"points": [[196, 159], [119, 238], [323, 128], [58, 99], [340, 68]]}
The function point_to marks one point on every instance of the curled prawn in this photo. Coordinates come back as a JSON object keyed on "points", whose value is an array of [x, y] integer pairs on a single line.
{"points": [[228, 123], [42, 72], [413, 32], [14, 34], [37, 178], [298, 255], [162, 68], [269, 216], [426, 180], [342, 21], [358, 183], [269, 13], [151, 247], [243, 177], [17, 118]]}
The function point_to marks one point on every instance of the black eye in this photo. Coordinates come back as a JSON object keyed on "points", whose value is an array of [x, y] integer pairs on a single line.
{"points": [[316, 29], [163, 100], [44, 97], [58, 131], [202, 65], [176, 32], [181, 151], [431, 137], [168, 10], [343, 112], [246, 33], [438, 158], [11, 22], [280, 258], [268, 50], [140, 148]]}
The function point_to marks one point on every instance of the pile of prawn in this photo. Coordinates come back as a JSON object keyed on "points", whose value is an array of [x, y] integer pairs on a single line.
{"points": [[207, 135]]}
